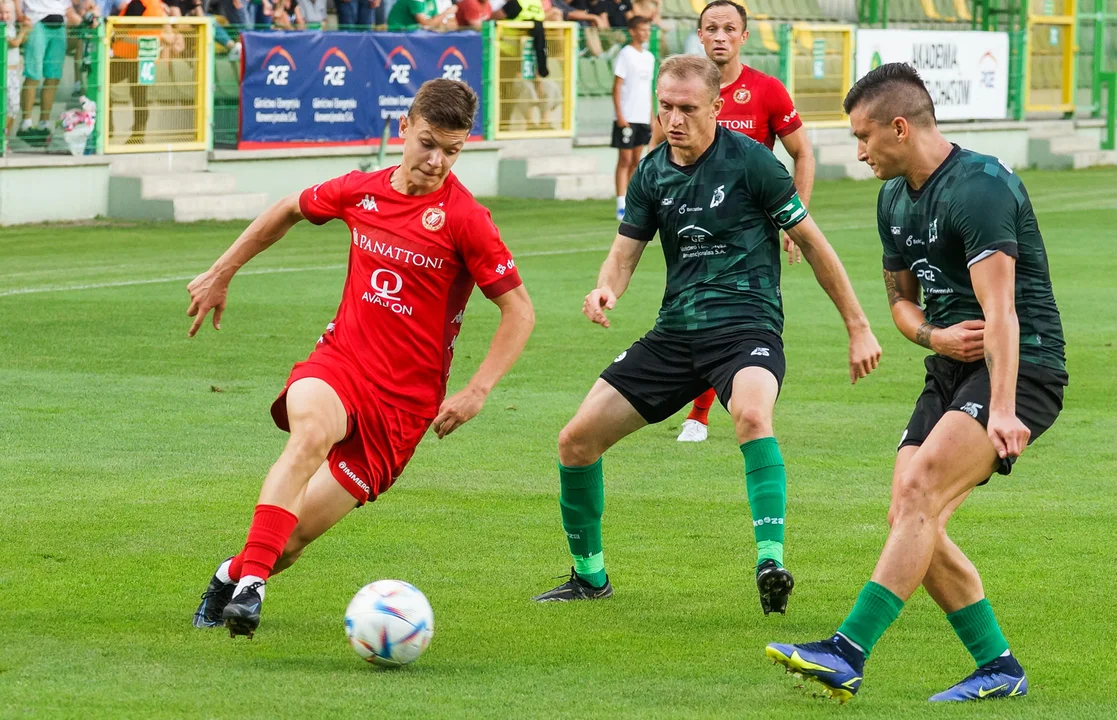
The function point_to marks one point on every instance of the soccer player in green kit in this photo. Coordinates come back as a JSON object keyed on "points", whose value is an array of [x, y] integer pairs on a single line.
{"points": [[958, 225], [718, 200]]}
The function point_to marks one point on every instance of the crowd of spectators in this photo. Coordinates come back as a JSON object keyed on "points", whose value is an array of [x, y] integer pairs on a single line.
{"points": [[41, 34]]}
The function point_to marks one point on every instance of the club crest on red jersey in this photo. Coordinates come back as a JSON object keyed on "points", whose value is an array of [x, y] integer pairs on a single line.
{"points": [[741, 96], [434, 218]]}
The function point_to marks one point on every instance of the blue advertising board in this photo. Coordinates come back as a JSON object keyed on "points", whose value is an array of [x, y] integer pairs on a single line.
{"points": [[341, 88]]}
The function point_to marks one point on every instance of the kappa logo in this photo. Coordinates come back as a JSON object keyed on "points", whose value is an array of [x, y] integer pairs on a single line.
{"points": [[896, 230], [767, 521], [761, 352], [434, 218], [741, 96], [718, 197], [667, 202], [972, 409], [368, 203]]}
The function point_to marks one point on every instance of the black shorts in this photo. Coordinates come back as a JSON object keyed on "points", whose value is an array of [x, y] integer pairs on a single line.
{"points": [[635, 135], [954, 385], [663, 372]]}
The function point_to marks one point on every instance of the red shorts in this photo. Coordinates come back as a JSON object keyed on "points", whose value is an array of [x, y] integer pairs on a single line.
{"points": [[380, 438]]}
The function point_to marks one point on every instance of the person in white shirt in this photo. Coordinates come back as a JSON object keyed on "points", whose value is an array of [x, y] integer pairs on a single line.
{"points": [[15, 36], [633, 72]]}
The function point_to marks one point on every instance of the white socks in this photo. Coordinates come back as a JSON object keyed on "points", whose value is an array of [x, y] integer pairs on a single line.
{"points": [[223, 572], [248, 580]]}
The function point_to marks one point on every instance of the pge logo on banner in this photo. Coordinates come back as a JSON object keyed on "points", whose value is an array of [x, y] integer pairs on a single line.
{"points": [[401, 71], [452, 71], [335, 74], [277, 72]]}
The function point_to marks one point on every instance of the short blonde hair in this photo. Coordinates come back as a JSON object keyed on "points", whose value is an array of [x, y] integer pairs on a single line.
{"points": [[685, 67]]}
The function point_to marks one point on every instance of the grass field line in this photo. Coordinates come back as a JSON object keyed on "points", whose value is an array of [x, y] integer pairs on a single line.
{"points": [[260, 271]]}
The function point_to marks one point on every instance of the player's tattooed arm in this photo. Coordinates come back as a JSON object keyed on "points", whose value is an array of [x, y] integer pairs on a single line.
{"points": [[923, 335]]}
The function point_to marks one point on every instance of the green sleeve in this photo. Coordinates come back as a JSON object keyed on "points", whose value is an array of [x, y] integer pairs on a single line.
{"points": [[983, 213], [892, 260], [640, 221], [771, 186]]}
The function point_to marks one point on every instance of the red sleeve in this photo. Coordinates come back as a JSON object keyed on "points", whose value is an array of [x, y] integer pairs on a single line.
{"points": [[486, 256], [468, 11], [783, 118], [322, 203]]}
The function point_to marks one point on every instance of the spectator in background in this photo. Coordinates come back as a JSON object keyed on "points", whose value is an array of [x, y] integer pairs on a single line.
{"points": [[614, 12], [552, 11], [16, 37], [126, 46], [260, 14], [632, 102], [315, 12], [181, 8], [44, 54], [472, 14], [649, 9], [359, 14], [407, 15], [237, 14], [288, 16]]}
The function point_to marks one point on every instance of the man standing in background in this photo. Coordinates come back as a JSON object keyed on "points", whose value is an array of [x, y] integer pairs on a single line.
{"points": [[632, 103]]}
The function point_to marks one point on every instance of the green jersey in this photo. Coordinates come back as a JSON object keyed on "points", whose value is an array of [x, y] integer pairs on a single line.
{"points": [[718, 221], [971, 207], [402, 15]]}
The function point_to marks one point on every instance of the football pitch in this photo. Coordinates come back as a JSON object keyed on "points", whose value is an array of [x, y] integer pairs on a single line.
{"points": [[131, 458]]}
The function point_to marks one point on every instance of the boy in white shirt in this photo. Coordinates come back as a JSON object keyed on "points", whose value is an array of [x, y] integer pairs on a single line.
{"points": [[14, 61], [633, 73]]}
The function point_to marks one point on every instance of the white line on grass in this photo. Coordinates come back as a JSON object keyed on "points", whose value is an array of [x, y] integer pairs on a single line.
{"points": [[261, 271]]}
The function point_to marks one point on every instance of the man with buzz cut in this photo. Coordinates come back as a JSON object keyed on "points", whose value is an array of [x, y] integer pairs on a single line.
{"points": [[718, 200], [959, 226]]}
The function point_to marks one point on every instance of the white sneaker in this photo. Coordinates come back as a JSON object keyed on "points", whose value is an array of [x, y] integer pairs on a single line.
{"points": [[234, 52], [693, 431]]}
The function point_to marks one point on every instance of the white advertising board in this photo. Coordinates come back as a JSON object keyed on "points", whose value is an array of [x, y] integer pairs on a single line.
{"points": [[965, 72]]}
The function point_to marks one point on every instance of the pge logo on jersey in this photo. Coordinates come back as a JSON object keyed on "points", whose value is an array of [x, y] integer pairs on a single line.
{"points": [[278, 72], [335, 72], [450, 70], [400, 63]]}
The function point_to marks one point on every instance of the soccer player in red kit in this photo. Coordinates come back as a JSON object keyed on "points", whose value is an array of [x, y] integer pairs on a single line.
{"points": [[756, 105], [358, 406]]}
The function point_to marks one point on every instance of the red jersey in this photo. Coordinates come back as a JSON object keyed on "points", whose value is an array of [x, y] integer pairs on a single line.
{"points": [[413, 262], [758, 105]]}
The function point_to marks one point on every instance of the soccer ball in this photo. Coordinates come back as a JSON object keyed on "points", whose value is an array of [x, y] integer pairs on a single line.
{"points": [[389, 623]]}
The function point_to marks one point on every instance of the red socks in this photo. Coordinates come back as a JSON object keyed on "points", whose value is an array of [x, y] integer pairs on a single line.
{"points": [[702, 405], [271, 528]]}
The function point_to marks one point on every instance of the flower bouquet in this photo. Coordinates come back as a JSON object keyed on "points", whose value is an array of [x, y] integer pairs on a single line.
{"points": [[77, 125]]}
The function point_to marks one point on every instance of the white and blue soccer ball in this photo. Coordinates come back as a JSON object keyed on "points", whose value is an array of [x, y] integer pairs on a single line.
{"points": [[389, 623]]}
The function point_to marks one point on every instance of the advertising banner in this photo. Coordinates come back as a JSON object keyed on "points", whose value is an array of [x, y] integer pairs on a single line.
{"points": [[966, 72], [340, 88]]}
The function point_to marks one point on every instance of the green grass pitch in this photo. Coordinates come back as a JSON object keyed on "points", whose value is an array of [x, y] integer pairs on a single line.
{"points": [[131, 458]]}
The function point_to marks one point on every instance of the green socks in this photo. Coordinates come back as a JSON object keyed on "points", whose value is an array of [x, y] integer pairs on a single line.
{"points": [[876, 608], [978, 630], [766, 483], [582, 499]]}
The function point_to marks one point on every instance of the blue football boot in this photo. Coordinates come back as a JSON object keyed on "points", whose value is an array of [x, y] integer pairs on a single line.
{"points": [[836, 664], [1002, 677]]}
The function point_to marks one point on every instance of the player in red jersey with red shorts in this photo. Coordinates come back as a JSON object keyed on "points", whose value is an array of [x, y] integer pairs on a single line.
{"points": [[756, 105], [358, 406]]}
